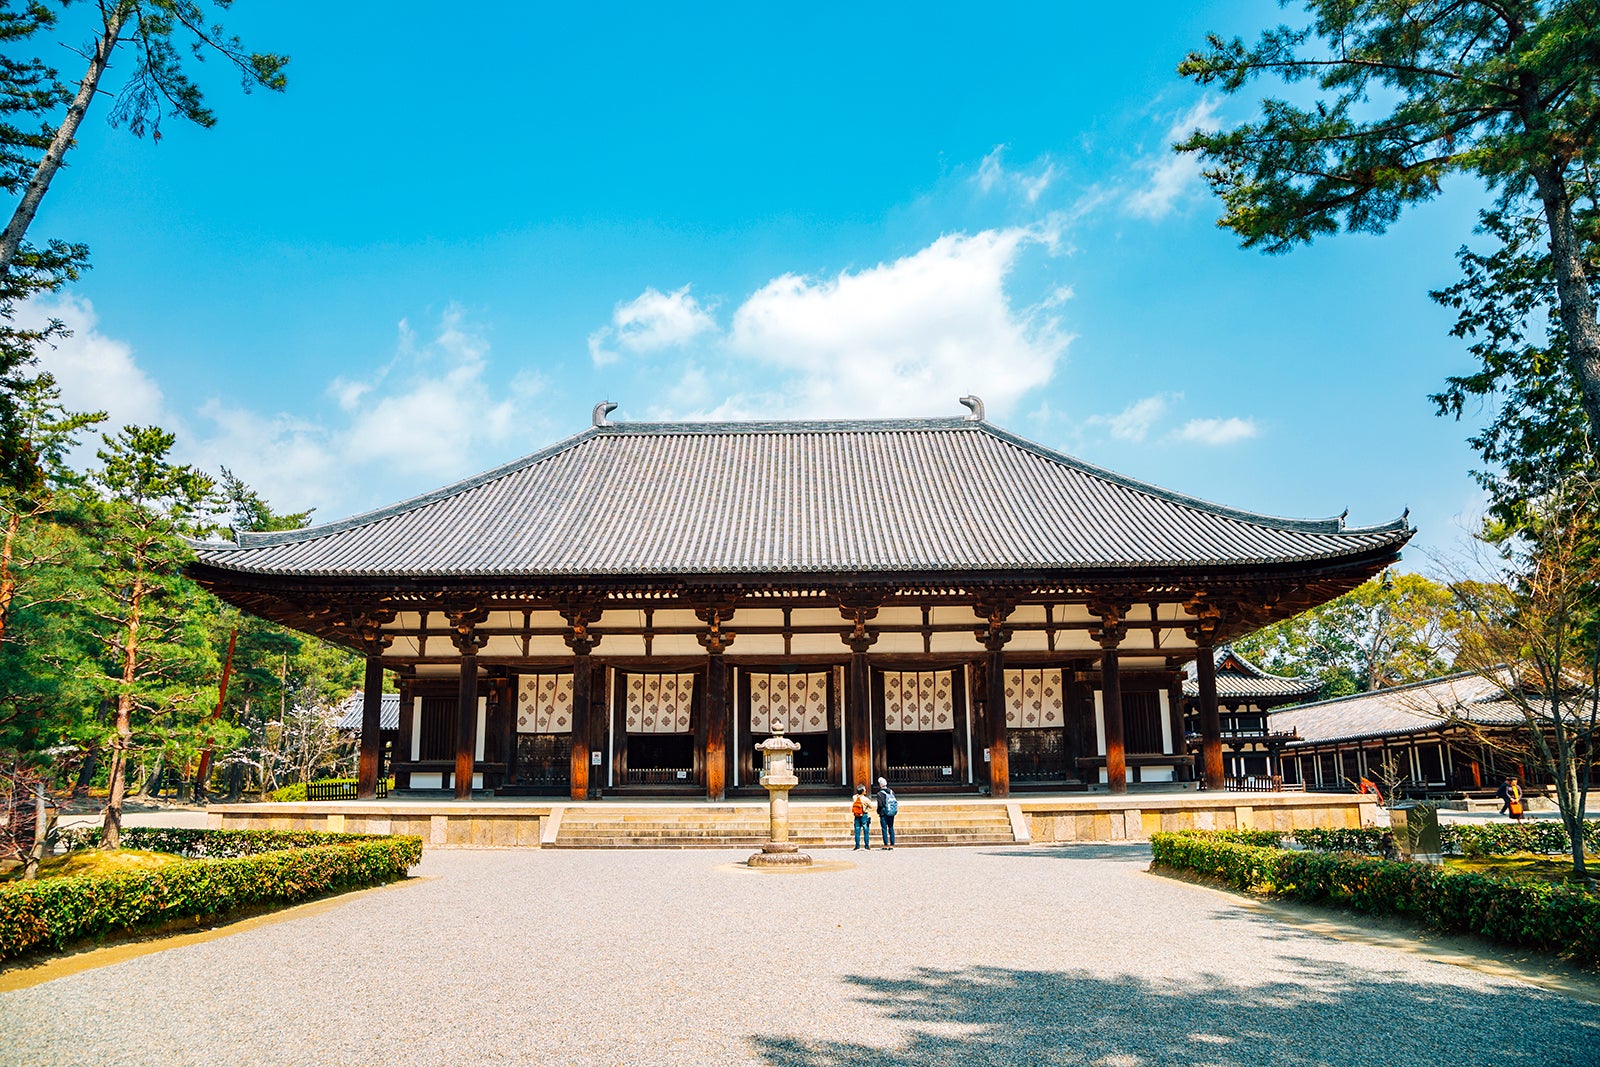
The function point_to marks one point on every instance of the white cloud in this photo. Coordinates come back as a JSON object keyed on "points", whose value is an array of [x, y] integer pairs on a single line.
{"points": [[1029, 183], [1217, 431], [905, 337], [1133, 422], [1171, 176], [651, 322], [95, 372]]}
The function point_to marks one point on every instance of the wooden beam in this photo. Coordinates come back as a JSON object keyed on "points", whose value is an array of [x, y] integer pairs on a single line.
{"points": [[371, 730], [716, 727], [466, 725], [858, 717], [581, 680], [1210, 721], [1111, 714], [995, 709]]}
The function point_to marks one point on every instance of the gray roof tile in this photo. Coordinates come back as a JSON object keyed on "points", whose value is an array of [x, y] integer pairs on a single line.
{"points": [[932, 495], [1402, 709]]}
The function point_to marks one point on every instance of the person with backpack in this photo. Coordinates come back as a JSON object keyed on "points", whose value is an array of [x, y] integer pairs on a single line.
{"points": [[888, 807], [861, 813]]}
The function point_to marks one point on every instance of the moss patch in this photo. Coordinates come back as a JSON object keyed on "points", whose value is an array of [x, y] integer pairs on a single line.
{"points": [[1523, 866], [95, 861]]}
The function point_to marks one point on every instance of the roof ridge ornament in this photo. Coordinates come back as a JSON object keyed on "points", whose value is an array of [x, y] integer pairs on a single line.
{"points": [[974, 405], [601, 410]]}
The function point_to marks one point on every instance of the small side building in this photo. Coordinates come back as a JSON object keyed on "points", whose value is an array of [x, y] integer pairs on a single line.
{"points": [[1433, 730], [1245, 695]]}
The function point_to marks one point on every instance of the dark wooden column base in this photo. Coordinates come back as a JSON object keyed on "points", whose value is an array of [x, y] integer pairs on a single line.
{"points": [[999, 741], [1210, 719], [1111, 714], [371, 730], [466, 725]]}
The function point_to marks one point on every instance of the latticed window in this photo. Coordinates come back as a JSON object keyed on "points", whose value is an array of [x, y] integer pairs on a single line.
{"points": [[1141, 722]]}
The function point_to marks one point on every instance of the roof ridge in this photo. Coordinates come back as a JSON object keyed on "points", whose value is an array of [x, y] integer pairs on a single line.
{"points": [[1255, 518], [942, 424], [1404, 686], [251, 539]]}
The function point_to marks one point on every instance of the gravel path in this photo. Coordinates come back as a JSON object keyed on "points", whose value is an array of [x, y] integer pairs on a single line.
{"points": [[929, 956]]}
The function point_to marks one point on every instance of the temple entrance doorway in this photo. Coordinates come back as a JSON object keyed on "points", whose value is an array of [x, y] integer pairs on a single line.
{"points": [[804, 704], [659, 745], [924, 728], [541, 757], [1036, 721]]}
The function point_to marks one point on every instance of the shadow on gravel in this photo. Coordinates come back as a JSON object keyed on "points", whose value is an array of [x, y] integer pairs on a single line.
{"points": [[991, 1015], [1133, 851]]}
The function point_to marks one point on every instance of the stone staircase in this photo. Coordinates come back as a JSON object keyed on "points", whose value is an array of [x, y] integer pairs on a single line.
{"points": [[814, 826]]}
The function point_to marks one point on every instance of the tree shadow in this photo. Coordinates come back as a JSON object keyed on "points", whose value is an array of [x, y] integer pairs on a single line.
{"points": [[993, 1015], [1099, 850]]}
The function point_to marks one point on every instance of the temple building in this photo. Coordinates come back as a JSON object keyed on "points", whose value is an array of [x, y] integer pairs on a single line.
{"points": [[937, 601], [1457, 734], [1245, 693]]}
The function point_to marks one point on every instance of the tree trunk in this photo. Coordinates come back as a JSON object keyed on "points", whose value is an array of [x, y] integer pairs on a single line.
{"points": [[111, 834], [8, 580], [91, 763], [152, 785], [1576, 302], [22, 217]]}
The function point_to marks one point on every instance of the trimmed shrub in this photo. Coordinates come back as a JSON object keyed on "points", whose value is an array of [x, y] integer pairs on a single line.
{"points": [[1543, 836], [289, 794], [245, 869], [1362, 840], [1259, 838], [1535, 914]]}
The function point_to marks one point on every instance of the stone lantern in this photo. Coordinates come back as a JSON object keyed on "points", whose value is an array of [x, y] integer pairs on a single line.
{"points": [[778, 777]]}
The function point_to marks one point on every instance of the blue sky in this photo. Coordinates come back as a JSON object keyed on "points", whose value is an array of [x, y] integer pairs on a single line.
{"points": [[452, 236]]}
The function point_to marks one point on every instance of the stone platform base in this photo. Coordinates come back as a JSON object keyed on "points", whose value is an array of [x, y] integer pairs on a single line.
{"points": [[1135, 818], [922, 821]]}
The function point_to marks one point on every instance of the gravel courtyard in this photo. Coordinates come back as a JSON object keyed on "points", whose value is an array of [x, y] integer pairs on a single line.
{"points": [[930, 956]]}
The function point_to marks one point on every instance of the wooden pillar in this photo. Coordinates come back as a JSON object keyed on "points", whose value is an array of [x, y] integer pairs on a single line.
{"points": [[582, 678], [402, 744], [1113, 627], [371, 730], [1210, 718], [464, 623], [716, 727], [858, 718], [1111, 715], [995, 709], [466, 724]]}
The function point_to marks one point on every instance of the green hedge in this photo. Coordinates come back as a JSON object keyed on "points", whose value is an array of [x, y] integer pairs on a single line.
{"points": [[249, 868], [1535, 914], [1542, 836]]}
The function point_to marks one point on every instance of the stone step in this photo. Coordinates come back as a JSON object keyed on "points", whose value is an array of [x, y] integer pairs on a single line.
{"points": [[722, 826]]}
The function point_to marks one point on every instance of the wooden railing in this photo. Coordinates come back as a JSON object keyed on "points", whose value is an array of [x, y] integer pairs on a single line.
{"points": [[659, 776], [1264, 784], [812, 775], [936, 773], [340, 790]]}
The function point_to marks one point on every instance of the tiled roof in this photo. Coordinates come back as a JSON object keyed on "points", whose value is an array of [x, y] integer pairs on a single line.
{"points": [[388, 712], [1239, 679], [929, 495], [1403, 709]]}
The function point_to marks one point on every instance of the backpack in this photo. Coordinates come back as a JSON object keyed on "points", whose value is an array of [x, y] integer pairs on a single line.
{"points": [[859, 807], [887, 803]]}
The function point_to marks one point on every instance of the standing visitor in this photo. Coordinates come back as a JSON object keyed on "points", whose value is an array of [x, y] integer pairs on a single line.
{"points": [[1504, 793], [1514, 799], [887, 807], [861, 812]]}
